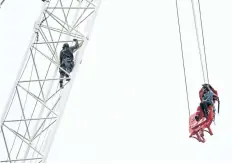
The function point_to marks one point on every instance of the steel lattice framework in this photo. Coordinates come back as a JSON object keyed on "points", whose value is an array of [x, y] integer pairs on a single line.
{"points": [[35, 107], [1, 3]]}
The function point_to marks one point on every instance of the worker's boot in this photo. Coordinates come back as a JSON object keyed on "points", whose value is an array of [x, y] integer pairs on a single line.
{"points": [[61, 85]]}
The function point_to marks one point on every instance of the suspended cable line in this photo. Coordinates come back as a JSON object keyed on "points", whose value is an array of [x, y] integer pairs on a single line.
{"points": [[198, 40], [203, 38], [182, 52], [204, 74]]}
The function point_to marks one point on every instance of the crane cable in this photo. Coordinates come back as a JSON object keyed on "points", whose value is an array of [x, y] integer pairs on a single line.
{"points": [[182, 52], [198, 41], [203, 39], [199, 48]]}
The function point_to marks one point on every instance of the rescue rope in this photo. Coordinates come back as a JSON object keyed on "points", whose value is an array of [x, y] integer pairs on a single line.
{"points": [[182, 52], [198, 41]]}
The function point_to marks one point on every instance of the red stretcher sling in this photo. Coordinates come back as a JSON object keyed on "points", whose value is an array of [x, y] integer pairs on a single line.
{"points": [[197, 128]]}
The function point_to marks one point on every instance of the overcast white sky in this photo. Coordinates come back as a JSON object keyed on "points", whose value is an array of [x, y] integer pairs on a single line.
{"points": [[128, 103]]}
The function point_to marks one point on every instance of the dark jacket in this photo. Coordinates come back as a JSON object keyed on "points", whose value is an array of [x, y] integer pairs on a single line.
{"points": [[67, 53]]}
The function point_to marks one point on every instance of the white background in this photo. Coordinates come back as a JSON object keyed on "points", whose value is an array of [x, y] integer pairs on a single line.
{"points": [[128, 104]]}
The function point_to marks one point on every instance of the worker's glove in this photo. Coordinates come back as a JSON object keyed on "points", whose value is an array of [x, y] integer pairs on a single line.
{"points": [[74, 40]]}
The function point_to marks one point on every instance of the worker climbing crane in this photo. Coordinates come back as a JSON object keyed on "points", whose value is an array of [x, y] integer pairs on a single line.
{"points": [[205, 115], [37, 102]]}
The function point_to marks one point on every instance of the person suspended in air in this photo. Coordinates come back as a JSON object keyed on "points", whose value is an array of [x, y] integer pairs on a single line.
{"points": [[208, 95], [67, 60]]}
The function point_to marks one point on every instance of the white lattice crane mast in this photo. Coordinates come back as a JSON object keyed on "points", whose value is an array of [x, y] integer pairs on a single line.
{"points": [[1, 3], [35, 107]]}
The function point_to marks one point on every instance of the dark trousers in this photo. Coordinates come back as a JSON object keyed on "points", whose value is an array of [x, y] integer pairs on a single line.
{"points": [[68, 67], [204, 106]]}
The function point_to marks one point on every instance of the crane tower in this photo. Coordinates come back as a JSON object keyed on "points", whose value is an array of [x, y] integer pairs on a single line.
{"points": [[32, 114], [1, 3]]}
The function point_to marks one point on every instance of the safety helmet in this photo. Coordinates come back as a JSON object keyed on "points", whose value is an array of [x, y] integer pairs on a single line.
{"points": [[66, 45], [205, 87]]}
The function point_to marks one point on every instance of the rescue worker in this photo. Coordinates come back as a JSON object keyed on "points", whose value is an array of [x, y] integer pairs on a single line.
{"points": [[66, 60], [207, 95]]}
